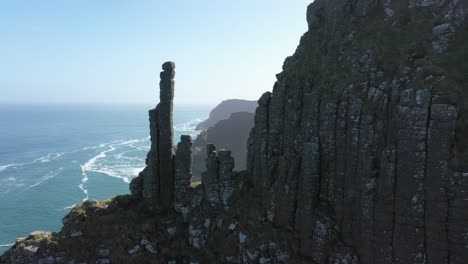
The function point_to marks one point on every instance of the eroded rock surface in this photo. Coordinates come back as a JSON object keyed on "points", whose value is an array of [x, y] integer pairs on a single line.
{"points": [[357, 149]]}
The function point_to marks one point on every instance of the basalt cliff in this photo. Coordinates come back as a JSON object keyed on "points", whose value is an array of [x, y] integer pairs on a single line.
{"points": [[358, 155]]}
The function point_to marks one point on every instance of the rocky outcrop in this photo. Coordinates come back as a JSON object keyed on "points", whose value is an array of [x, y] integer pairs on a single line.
{"points": [[356, 148], [225, 109], [231, 133], [218, 179]]}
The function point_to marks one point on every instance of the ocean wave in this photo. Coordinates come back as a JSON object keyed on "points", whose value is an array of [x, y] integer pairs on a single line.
{"points": [[44, 159], [88, 166], [69, 207], [121, 156], [129, 142], [7, 245], [46, 177], [145, 148], [115, 142], [95, 147], [189, 126], [123, 172], [49, 157], [9, 183], [4, 167], [112, 173]]}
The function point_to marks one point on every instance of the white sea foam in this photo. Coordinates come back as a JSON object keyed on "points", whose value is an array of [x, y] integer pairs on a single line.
{"points": [[69, 207], [146, 148], [4, 167], [95, 147], [121, 156], [47, 158], [7, 245], [89, 166], [123, 172], [189, 126], [112, 173], [46, 177], [125, 142], [83, 181]]}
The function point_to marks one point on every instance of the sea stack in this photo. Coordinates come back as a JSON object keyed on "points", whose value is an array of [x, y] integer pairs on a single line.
{"points": [[166, 134], [155, 184]]}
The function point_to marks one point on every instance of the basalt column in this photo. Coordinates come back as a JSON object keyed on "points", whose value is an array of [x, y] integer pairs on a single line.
{"points": [[166, 135], [183, 174], [226, 177], [210, 176]]}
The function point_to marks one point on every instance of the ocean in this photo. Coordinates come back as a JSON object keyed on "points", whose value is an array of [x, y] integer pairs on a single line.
{"points": [[53, 156]]}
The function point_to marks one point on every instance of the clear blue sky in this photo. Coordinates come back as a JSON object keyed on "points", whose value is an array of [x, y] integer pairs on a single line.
{"points": [[112, 51]]}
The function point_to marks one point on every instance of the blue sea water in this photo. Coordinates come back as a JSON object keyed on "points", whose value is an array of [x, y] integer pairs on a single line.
{"points": [[53, 156]]}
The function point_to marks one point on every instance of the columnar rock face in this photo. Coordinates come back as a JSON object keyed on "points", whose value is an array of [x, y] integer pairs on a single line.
{"points": [[155, 184], [218, 179], [183, 174], [257, 154], [357, 148], [225, 177]]}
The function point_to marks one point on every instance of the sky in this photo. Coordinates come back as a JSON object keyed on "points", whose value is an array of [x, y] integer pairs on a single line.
{"points": [[111, 51]]}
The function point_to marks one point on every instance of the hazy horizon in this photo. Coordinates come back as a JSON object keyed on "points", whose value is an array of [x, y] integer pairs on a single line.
{"points": [[112, 51]]}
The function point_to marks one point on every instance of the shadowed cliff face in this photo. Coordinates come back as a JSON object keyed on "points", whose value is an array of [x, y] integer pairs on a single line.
{"points": [[231, 133], [360, 146]]}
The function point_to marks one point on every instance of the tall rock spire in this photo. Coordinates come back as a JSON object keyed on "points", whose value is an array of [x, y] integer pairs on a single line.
{"points": [[166, 135], [165, 181], [155, 184]]}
